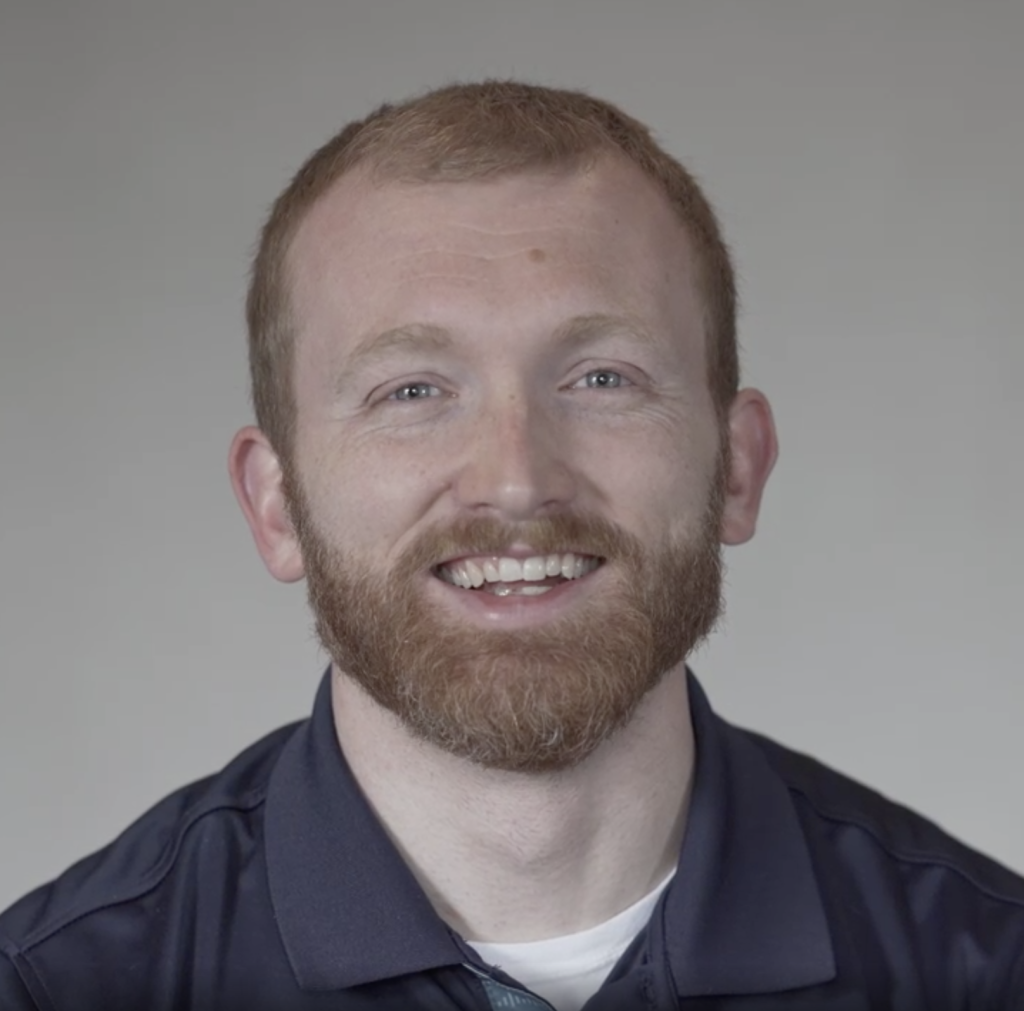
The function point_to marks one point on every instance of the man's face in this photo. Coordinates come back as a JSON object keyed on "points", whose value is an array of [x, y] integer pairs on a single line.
{"points": [[508, 470]]}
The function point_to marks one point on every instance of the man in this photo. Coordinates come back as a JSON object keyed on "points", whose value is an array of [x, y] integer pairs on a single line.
{"points": [[501, 435]]}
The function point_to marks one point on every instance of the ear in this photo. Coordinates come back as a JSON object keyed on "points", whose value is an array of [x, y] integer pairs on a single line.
{"points": [[753, 449], [257, 480]]}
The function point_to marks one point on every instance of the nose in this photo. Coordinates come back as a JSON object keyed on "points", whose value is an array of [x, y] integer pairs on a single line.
{"points": [[518, 465]]}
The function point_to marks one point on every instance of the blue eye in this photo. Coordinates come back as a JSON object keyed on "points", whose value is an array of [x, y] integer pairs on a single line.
{"points": [[415, 391], [602, 379]]}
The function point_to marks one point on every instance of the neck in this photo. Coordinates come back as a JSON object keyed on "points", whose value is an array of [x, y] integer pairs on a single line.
{"points": [[521, 857]]}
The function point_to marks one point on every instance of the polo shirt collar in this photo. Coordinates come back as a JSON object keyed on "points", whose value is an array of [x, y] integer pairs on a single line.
{"points": [[348, 908], [742, 915]]}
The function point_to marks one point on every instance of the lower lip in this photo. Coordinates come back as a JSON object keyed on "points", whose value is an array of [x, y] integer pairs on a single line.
{"points": [[514, 610]]}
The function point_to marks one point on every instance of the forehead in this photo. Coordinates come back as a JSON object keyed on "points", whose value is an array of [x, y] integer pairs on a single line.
{"points": [[377, 255]]}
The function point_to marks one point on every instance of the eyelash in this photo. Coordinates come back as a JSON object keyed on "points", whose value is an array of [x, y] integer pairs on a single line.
{"points": [[394, 395], [621, 380]]}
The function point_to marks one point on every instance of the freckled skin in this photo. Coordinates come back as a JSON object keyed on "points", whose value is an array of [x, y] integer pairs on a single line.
{"points": [[511, 431]]}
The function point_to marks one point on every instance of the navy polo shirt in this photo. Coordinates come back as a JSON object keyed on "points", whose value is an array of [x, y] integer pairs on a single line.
{"points": [[272, 887]]}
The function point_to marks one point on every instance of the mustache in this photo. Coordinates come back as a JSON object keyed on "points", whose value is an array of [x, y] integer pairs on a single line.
{"points": [[579, 533]]}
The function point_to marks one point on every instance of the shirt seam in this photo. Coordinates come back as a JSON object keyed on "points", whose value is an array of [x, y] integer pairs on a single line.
{"points": [[152, 879], [35, 987], [905, 856]]}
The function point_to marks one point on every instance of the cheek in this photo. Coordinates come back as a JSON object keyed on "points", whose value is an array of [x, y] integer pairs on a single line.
{"points": [[662, 487], [368, 495]]}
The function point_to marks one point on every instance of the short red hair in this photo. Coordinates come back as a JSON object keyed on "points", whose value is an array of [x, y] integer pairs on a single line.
{"points": [[468, 132]]}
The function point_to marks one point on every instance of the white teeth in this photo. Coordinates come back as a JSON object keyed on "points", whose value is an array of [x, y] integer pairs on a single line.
{"points": [[511, 570], [533, 591], [470, 574], [475, 573], [457, 575], [534, 569]]}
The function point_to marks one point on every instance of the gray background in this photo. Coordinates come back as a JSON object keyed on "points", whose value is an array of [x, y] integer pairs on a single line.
{"points": [[867, 159]]}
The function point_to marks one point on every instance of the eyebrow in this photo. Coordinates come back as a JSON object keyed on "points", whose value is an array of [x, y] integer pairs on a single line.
{"points": [[583, 330], [407, 337], [578, 331]]}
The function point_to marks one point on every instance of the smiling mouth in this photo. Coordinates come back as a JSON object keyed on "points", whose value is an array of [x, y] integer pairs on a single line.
{"points": [[504, 576]]}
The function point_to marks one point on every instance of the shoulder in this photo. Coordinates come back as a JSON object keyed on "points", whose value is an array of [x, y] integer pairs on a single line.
{"points": [[901, 892], [201, 818], [895, 833], [897, 886]]}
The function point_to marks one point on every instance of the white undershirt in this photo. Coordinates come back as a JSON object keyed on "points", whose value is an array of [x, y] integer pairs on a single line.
{"points": [[566, 971]]}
